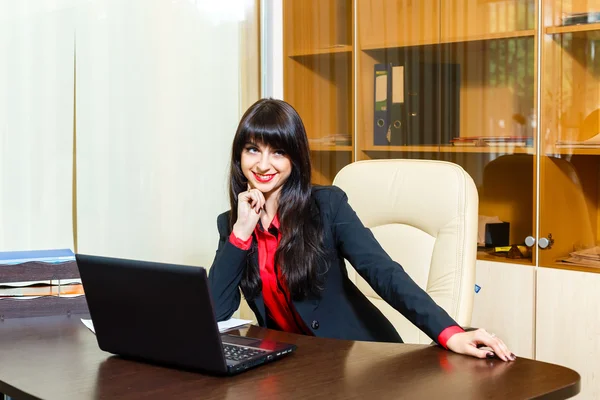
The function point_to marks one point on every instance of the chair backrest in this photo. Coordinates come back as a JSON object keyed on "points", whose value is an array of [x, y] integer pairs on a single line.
{"points": [[424, 214]]}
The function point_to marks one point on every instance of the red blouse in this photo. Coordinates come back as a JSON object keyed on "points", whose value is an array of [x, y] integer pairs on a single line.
{"points": [[275, 292]]}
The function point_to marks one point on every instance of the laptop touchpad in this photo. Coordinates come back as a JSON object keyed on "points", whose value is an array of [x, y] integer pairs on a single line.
{"points": [[242, 341]]}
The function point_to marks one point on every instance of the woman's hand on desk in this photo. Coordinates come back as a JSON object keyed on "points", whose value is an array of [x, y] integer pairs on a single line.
{"points": [[470, 343]]}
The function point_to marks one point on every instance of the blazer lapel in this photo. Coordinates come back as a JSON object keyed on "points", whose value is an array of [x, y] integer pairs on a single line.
{"points": [[260, 306]]}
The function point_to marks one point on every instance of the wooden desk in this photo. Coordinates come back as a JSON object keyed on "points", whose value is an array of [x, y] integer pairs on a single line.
{"points": [[58, 358]]}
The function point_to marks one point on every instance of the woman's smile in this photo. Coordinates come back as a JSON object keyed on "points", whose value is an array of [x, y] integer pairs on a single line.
{"points": [[263, 178]]}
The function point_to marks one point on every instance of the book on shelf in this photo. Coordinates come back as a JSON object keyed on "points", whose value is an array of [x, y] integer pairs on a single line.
{"points": [[581, 18], [483, 141], [415, 103]]}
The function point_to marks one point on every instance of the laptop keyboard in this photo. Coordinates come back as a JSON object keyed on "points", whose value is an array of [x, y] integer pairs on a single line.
{"points": [[239, 353]]}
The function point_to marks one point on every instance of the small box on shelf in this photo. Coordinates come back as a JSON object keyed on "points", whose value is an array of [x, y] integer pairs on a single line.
{"points": [[497, 234]]}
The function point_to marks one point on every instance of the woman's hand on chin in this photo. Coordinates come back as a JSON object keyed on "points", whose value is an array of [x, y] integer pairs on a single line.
{"points": [[250, 205]]}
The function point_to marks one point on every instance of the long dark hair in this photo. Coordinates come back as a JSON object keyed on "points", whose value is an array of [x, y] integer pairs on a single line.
{"points": [[276, 124]]}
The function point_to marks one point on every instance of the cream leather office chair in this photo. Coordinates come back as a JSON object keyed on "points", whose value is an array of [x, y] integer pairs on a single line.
{"points": [[424, 214]]}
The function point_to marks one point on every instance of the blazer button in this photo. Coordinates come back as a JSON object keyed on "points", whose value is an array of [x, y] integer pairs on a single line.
{"points": [[315, 324]]}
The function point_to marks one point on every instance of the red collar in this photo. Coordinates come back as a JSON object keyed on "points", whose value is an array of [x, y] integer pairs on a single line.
{"points": [[275, 222]]}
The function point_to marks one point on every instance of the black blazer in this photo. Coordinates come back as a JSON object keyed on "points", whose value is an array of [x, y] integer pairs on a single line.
{"points": [[341, 311]]}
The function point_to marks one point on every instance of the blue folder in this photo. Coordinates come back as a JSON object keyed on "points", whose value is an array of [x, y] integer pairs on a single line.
{"points": [[46, 256]]}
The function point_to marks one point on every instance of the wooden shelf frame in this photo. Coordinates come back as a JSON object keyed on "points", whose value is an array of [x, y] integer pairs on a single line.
{"points": [[453, 149], [341, 49], [457, 40], [554, 30], [331, 147]]}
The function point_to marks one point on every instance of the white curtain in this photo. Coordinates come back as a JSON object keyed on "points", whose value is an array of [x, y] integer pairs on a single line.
{"points": [[36, 124], [147, 113], [158, 100]]}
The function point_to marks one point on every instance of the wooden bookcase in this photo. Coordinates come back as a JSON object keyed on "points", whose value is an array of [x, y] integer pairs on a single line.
{"points": [[331, 48]]}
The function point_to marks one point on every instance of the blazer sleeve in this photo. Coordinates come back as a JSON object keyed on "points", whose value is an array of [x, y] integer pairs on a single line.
{"points": [[389, 280], [226, 272]]}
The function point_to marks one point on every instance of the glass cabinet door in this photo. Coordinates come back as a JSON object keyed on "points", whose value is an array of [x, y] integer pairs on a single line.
{"points": [[434, 79], [570, 135], [318, 79], [455, 81]]}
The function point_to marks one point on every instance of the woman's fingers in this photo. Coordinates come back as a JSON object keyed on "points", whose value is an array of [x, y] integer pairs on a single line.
{"points": [[479, 353], [507, 352], [250, 203], [261, 199], [254, 198], [258, 200], [494, 343]]}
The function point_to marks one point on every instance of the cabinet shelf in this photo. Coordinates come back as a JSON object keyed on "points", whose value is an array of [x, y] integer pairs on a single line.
{"points": [[574, 151], [572, 28], [491, 36], [329, 147], [453, 40], [338, 49], [453, 149], [331, 51], [396, 45], [483, 256]]}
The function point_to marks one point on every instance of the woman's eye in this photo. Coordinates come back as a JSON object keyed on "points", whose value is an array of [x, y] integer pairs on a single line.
{"points": [[279, 153], [252, 150]]}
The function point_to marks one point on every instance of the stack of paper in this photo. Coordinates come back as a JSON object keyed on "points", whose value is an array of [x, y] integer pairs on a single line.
{"points": [[590, 128], [498, 141], [587, 258], [591, 143], [27, 264], [19, 289], [232, 323]]}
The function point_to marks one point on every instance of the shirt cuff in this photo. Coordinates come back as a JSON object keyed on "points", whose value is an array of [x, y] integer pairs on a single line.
{"points": [[447, 334], [239, 243]]}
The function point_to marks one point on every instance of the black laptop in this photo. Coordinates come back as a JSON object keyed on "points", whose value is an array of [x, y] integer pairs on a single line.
{"points": [[163, 313]]}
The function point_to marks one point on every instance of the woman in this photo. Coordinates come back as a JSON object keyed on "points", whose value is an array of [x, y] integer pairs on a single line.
{"points": [[284, 241]]}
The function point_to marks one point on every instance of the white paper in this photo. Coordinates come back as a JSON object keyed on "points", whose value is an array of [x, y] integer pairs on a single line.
{"points": [[232, 323], [89, 324], [53, 282], [223, 325]]}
